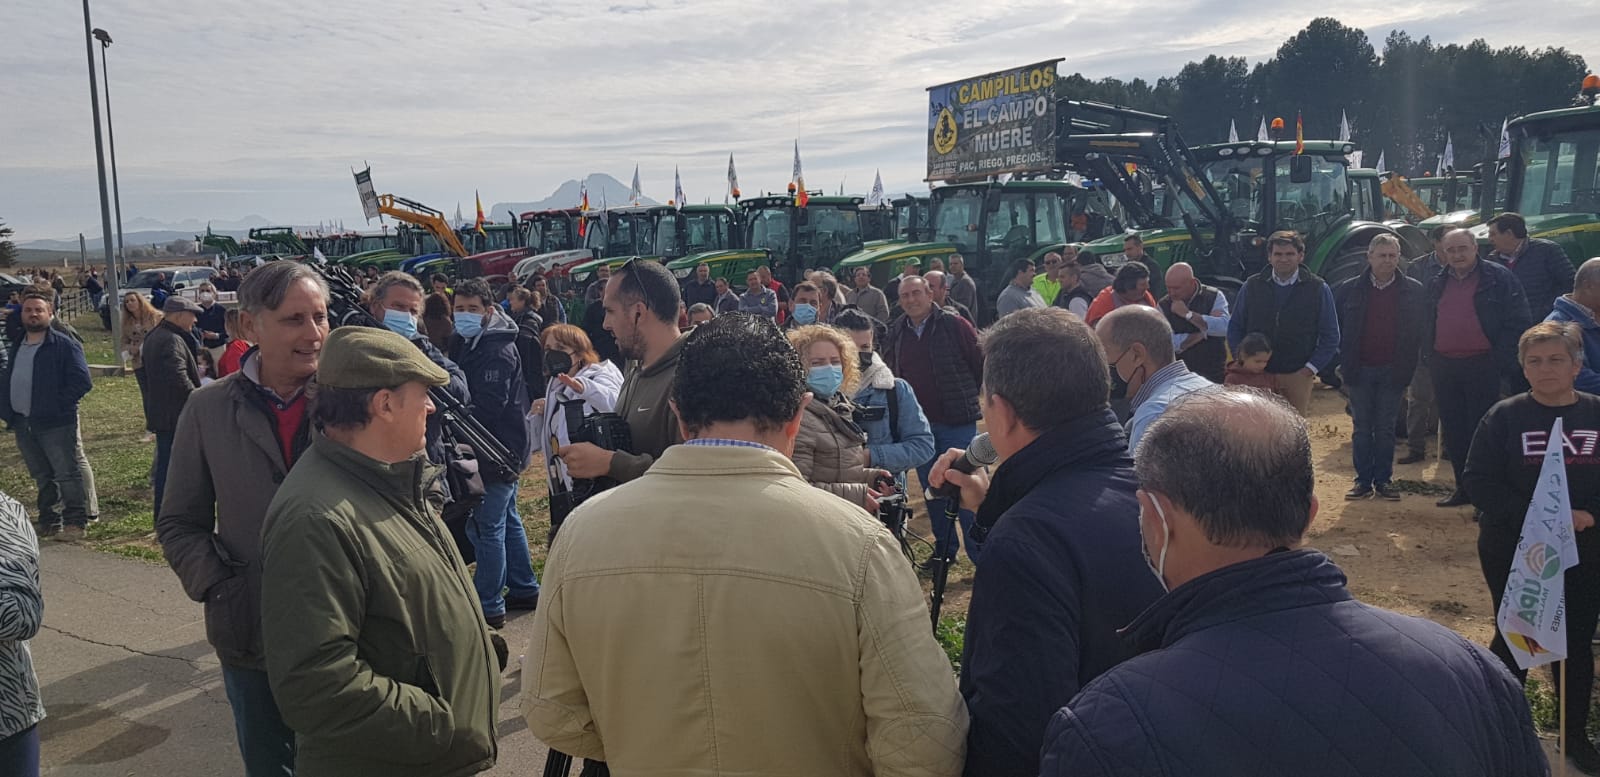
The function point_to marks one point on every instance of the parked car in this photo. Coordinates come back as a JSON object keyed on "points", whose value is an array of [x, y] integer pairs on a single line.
{"points": [[181, 278]]}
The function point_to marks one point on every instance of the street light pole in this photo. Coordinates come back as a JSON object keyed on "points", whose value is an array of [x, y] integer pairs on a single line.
{"points": [[100, 164], [111, 146]]}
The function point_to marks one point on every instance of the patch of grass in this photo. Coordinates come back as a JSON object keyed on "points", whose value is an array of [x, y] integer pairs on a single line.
{"points": [[952, 636], [111, 423], [1546, 716]]}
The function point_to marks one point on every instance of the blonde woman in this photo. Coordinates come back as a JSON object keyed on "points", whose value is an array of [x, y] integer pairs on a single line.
{"points": [[831, 450], [139, 317]]}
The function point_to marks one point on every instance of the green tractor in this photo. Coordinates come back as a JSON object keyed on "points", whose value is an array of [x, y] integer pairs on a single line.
{"points": [[1553, 177], [1232, 196], [282, 238], [991, 224]]}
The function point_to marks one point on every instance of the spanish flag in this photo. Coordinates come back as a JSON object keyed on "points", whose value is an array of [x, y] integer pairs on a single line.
{"points": [[1299, 134], [481, 220], [798, 181], [583, 206]]}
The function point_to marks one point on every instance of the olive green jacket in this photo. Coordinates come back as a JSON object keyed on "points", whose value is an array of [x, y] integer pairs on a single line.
{"points": [[376, 647]]}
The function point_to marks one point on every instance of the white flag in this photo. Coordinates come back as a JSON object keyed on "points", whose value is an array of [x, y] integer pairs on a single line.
{"points": [[733, 180], [1449, 158], [1344, 127], [1261, 134], [875, 197], [1380, 162], [1532, 611], [634, 193], [1233, 132], [1505, 139], [369, 196], [316, 253], [677, 188], [798, 179], [460, 222], [1355, 159]]}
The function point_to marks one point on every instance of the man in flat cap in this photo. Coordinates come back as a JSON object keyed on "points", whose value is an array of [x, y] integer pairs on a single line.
{"points": [[377, 651], [171, 375]]}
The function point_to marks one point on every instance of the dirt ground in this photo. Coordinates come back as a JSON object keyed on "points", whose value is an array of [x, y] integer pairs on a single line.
{"points": [[1408, 556]]}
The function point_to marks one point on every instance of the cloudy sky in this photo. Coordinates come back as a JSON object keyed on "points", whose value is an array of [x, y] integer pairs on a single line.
{"points": [[226, 108]]}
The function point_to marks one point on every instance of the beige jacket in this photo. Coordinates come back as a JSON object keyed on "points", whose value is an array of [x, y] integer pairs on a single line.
{"points": [[721, 616], [831, 451], [133, 333]]}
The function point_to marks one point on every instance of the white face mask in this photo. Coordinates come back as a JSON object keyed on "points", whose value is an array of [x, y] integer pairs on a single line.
{"points": [[206, 296], [1158, 567]]}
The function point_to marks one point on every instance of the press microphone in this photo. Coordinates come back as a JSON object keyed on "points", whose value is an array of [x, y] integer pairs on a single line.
{"points": [[980, 453]]}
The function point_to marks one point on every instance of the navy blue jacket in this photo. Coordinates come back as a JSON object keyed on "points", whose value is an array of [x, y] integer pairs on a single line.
{"points": [[1061, 572], [60, 379], [1269, 667], [1350, 297], [494, 377], [1545, 274], [1502, 313]]}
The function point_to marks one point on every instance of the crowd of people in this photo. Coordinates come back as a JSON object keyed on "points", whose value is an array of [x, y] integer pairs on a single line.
{"points": [[718, 595]]}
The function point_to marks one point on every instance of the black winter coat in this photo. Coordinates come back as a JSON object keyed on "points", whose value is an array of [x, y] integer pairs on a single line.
{"points": [[1269, 667], [494, 373], [1350, 297], [1061, 572], [171, 375]]}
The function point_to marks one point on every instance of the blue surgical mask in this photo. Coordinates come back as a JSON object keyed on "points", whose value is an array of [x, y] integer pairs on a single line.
{"points": [[805, 313], [825, 380], [469, 325], [400, 323]]}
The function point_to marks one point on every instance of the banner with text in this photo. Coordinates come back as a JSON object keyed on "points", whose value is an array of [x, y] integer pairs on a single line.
{"points": [[1002, 122], [369, 197]]}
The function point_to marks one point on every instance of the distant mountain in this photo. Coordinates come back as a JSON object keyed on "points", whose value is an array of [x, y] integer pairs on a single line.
{"points": [[194, 225], [566, 196], [130, 239]]}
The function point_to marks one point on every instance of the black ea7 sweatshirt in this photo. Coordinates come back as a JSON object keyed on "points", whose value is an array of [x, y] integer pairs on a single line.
{"points": [[1508, 452]]}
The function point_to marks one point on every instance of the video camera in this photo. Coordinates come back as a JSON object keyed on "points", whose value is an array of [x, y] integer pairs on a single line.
{"points": [[608, 431]]}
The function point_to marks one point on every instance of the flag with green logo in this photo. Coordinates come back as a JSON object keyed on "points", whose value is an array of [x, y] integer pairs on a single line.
{"points": [[1531, 612]]}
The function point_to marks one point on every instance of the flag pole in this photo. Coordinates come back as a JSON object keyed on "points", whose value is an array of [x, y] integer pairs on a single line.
{"points": [[1561, 701]]}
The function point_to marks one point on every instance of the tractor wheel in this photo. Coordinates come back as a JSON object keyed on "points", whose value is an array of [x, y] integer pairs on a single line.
{"points": [[1348, 264]]}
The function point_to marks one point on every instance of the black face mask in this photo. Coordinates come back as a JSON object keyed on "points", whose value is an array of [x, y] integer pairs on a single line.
{"points": [[557, 362], [865, 358], [1119, 387]]}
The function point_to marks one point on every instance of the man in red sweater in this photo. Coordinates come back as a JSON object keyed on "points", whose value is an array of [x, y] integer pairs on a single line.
{"points": [[1380, 320]]}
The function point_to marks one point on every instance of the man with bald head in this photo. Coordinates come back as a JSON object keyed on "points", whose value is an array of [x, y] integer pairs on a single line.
{"points": [[1258, 654], [1199, 318], [939, 287], [1138, 345], [1476, 313], [1580, 308]]}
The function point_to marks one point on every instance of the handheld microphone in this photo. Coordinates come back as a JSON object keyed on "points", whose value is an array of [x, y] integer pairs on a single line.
{"points": [[980, 453]]}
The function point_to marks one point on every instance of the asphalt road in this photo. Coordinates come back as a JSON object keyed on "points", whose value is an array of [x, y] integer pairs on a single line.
{"points": [[132, 689]]}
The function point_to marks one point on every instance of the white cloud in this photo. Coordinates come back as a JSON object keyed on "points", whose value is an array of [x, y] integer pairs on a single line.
{"points": [[230, 107]]}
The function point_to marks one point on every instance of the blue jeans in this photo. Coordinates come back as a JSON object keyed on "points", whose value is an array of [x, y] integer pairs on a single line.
{"points": [[163, 458], [1374, 406], [265, 742], [54, 458], [502, 548], [946, 543], [19, 753]]}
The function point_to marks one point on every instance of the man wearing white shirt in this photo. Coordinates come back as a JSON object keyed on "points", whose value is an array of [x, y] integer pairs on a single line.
{"points": [[1199, 317]]}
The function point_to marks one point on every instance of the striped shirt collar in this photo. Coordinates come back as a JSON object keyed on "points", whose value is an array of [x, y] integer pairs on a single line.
{"points": [[1161, 378], [719, 442]]}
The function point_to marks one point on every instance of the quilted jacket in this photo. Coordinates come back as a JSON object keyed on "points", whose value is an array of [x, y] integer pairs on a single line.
{"points": [[1269, 667], [831, 451]]}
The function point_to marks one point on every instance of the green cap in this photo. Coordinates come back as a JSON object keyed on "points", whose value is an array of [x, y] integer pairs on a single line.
{"points": [[362, 357]]}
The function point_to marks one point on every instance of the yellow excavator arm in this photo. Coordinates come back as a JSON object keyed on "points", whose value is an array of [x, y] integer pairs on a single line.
{"points": [[1398, 191], [412, 212]]}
